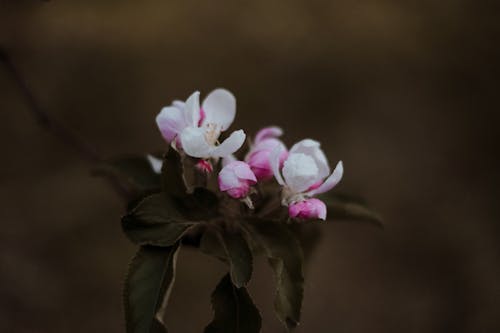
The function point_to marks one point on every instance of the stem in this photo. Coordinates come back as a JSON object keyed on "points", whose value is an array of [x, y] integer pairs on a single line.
{"points": [[42, 117], [55, 127]]}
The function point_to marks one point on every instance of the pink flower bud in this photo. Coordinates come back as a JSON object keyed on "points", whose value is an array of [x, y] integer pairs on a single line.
{"points": [[204, 166], [308, 209], [236, 178], [258, 157]]}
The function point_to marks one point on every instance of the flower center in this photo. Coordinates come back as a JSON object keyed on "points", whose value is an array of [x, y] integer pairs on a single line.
{"points": [[212, 132]]}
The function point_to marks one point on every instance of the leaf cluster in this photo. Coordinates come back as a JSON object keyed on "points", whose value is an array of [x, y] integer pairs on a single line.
{"points": [[178, 207]]}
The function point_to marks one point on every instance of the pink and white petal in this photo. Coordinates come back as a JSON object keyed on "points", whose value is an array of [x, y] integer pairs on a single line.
{"points": [[313, 148], [275, 162], [227, 179], [319, 208], [267, 144], [230, 145], [268, 133], [243, 171], [192, 109], [194, 143], [331, 181], [228, 159], [171, 122], [220, 108]]}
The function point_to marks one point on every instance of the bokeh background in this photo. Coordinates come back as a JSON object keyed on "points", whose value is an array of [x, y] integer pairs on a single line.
{"points": [[404, 92]]}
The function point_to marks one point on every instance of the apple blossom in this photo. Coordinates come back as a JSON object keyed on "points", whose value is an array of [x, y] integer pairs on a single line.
{"points": [[200, 138], [265, 142], [236, 178], [305, 173], [197, 129]]}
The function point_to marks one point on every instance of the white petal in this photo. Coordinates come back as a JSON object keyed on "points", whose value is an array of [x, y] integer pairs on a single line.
{"points": [[313, 148], [194, 142], [155, 163], [243, 171], [230, 145], [228, 179], [179, 104], [228, 159], [220, 108], [300, 172], [171, 122], [274, 161], [331, 181], [193, 109]]}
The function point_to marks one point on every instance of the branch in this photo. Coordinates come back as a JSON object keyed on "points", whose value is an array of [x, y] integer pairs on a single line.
{"points": [[54, 126], [43, 118]]}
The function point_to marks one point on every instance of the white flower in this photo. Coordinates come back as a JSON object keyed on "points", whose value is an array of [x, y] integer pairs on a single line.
{"points": [[200, 138], [305, 171], [197, 129]]}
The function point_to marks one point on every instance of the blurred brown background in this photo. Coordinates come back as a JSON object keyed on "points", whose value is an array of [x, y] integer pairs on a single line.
{"points": [[404, 92]]}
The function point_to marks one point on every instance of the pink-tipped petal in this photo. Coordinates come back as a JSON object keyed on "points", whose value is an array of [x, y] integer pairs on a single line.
{"points": [[268, 133], [331, 181], [227, 179], [243, 171], [308, 209], [220, 108], [235, 179], [170, 122]]}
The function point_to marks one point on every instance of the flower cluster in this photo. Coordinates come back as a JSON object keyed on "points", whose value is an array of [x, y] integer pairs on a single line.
{"points": [[303, 171]]}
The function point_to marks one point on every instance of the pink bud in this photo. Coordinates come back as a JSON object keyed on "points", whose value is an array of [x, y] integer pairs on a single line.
{"points": [[204, 166], [308, 209], [236, 178], [258, 157]]}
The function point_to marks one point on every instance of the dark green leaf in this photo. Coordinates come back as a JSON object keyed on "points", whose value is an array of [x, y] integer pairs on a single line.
{"points": [[155, 221], [234, 311], [350, 209], [202, 204], [285, 257], [147, 288], [309, 236], [211, 245], [231, 247]]}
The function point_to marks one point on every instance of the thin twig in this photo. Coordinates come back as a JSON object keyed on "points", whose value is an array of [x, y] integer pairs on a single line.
{"points": [[54, 126], [43, 117]]}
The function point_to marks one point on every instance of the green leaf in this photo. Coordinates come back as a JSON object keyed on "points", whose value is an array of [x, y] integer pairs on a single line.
{"points": [[231, 247], [148, 284], [202, 204], [234, 311], [341, 207], [211, 245], [285, 257], [155, 221]]}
